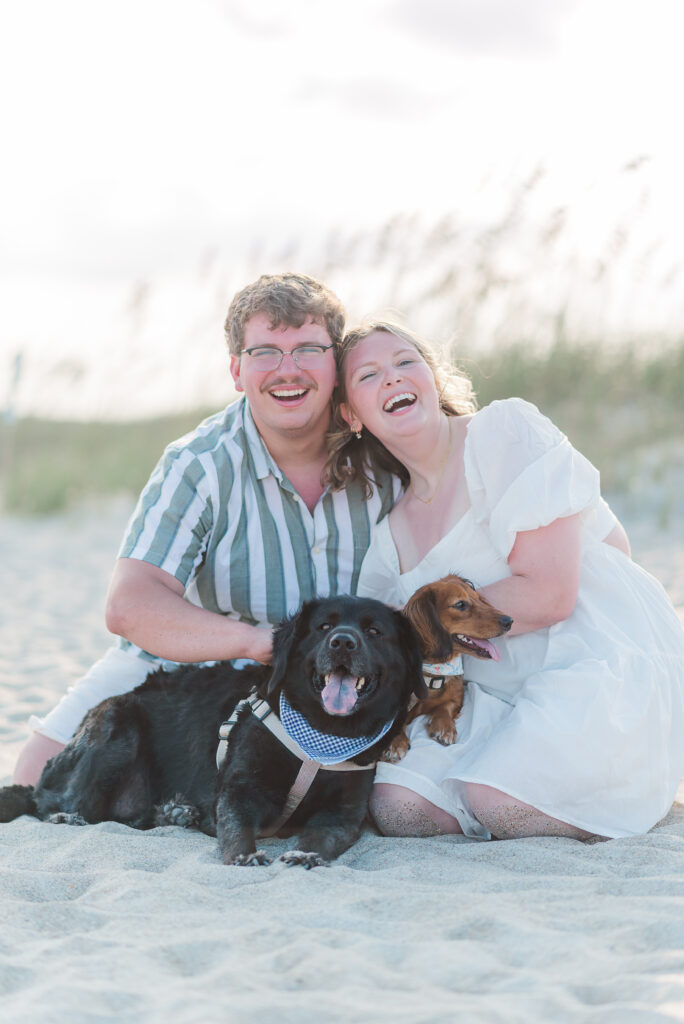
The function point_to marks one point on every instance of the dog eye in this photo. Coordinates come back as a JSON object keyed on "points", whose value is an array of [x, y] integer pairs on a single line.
{"points": [[461, 605], [373, 631], [324, 626]]}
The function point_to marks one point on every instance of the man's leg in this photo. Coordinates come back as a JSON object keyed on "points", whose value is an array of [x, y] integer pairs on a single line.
{"points": [[119, 671], [34, 755]]}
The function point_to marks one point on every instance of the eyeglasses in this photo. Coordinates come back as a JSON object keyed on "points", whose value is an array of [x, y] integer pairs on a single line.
{"points": [[268, 357]]}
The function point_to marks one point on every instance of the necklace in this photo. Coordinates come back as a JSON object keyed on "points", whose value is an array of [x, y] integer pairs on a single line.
{"points": [[427, 501]]}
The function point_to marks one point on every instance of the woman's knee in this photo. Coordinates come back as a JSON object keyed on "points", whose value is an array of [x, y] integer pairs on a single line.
{"points": [[508, 818], [398, 811]]}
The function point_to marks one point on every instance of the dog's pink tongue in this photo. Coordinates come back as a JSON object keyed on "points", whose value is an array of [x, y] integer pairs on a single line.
{"points": [[339, 695], [490, 648]]}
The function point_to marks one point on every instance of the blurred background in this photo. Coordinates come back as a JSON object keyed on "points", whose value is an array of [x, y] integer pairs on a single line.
{"points": [[505, 175]]}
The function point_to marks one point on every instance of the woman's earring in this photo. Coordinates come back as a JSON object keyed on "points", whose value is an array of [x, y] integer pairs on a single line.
{"points": [[358, 434]]}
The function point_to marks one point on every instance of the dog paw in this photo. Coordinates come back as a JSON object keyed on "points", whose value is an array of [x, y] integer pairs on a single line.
{"points": [[62, 818], [176, 812], [304, 860], [396, 750], [446, 735], [252, 860]]}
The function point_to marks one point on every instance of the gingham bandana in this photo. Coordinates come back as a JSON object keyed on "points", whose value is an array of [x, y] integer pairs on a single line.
{"points": [[320, 746]]}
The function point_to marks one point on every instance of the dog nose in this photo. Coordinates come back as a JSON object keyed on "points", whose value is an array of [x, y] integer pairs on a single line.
{"points": [[339, 640], [505, 621]]}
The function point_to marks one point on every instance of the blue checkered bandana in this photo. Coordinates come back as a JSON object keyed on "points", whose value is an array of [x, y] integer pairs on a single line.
{"points": [[320, 746]]}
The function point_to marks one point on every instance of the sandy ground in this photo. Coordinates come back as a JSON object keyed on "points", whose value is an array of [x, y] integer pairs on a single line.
{"points": [[103, 923]]}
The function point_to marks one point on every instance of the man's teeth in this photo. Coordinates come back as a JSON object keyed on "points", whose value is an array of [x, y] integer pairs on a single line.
{"points": [[406, 396], [289, 392]]}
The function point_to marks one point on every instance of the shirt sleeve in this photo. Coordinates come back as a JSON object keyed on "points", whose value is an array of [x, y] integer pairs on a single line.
{"points": [[172, 521], [523, 473]]}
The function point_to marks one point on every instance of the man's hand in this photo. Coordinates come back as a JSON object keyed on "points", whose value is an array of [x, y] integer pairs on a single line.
{"points": [[262, 649]]}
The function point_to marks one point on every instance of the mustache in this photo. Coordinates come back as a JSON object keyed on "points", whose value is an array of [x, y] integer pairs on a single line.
{"points": [[297, 383]]}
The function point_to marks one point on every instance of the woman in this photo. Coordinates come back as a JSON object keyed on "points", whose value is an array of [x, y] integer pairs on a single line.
{"points": [[578, 730]]}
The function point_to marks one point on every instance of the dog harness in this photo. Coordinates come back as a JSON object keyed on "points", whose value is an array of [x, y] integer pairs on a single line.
{"points": [[331, 756], [436, 673]]}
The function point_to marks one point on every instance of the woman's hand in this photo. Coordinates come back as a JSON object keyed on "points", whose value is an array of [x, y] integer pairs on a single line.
{"points": [[545, 567]]}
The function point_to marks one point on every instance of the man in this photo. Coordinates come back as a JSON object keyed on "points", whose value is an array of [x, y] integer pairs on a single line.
{"points": [[235, 527]]}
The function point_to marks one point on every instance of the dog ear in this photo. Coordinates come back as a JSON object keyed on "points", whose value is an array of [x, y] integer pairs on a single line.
{"points": [[283, 642], [411, 655], [421, 611]]}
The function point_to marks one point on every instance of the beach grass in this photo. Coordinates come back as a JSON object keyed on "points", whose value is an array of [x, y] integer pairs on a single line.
{"points": [[622, 407]]}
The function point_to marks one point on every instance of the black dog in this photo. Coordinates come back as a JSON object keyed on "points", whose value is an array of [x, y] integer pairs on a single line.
{"points": [[349, 666]]}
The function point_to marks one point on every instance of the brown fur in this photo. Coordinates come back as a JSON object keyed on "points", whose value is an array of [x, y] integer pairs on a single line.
{"points": [[439, 612]]}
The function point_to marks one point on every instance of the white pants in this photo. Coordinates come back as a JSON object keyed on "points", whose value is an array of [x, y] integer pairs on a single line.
{"points": [[118, 672]]}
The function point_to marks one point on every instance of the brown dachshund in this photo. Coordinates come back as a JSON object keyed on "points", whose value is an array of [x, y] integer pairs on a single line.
{"points": [[451, 619]]}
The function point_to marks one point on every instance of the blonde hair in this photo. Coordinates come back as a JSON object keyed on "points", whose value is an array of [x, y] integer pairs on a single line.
{"points": [[351, 458]]}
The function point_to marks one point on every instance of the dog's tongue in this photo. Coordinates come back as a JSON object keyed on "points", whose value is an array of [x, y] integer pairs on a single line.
{"points": [[339, 695], [489, 648]]}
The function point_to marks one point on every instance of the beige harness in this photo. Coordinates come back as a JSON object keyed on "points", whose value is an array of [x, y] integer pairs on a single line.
{"points": [[309, 768]]}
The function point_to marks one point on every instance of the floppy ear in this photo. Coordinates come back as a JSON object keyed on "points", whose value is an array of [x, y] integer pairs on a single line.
{"points": [[284, 639], [283, 642], [421, 611], [412, 657]]}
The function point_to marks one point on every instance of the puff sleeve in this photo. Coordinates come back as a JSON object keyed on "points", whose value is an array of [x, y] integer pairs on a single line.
{"points": [[523, 473]]}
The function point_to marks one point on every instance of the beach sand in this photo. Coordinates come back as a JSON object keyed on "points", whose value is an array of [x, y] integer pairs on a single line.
{"points": [[103, 923]]}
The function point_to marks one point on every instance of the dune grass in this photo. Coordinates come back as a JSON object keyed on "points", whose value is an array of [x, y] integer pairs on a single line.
{"points": [[621, 408]]}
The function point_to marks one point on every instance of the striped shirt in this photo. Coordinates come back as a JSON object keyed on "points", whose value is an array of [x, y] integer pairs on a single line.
{"points": [[220, 516]]}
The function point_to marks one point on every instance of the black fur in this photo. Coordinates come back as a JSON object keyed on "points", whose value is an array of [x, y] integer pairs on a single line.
{"points": [[147, 757]]}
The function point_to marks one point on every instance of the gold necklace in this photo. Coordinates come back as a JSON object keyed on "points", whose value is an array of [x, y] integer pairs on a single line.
{"points": [[427, 501]]}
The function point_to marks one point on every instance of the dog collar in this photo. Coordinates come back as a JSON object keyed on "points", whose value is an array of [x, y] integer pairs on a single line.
{"points": [[320, 746], [436, 673]]}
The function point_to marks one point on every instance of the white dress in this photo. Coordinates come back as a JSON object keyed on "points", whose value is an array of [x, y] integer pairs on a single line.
{"points": [[583, 720]]}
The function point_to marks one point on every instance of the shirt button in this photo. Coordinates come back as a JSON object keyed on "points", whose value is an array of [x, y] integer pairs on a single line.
{"points": [[316, 550]]}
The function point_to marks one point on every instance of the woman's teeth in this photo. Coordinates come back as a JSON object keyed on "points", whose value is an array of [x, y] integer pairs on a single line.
{"points": [[399, 401]]}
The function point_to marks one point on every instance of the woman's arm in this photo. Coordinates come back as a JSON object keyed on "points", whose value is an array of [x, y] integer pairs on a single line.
{"points": [[619, 539], [145, 605], [545, 567]]}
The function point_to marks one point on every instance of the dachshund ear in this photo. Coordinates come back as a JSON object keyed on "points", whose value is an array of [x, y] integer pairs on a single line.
{"points": [[421, 611], [283, 642], [413, 659]]}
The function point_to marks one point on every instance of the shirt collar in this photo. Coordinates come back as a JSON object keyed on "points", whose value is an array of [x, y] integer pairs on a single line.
{"points": [[264, 463]]}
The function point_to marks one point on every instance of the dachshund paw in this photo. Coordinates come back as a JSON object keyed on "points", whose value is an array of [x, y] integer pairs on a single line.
{"points": [[444, 733], [302, 859], [397, 749], [252, 860]]}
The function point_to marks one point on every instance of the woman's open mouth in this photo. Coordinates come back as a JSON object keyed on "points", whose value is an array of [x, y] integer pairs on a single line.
{"points": [[398, 402]]}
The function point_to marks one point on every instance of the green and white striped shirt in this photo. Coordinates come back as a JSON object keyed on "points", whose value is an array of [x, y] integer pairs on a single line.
{"points": [[220, 516]]}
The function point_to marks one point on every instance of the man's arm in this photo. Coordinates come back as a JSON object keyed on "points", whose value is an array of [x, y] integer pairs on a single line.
{"points": [[145, 605]]}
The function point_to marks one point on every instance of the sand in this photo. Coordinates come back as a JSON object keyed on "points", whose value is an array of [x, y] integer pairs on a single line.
{"points": [[103, 923]]}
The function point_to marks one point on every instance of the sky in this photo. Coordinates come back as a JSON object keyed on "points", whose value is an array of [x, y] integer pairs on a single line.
{"points": [[145, 140]]}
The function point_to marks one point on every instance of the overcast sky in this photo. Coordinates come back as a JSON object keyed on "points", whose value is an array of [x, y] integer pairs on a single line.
{"points": [[137, 133], [140, 135]]}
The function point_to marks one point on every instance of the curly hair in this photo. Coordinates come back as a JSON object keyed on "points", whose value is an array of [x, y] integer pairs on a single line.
{"points": [[351, 458], [288, 300]]}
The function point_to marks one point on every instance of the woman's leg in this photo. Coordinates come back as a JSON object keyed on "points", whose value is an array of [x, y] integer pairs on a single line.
{"points": [[398, 811], [508, 818]]}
